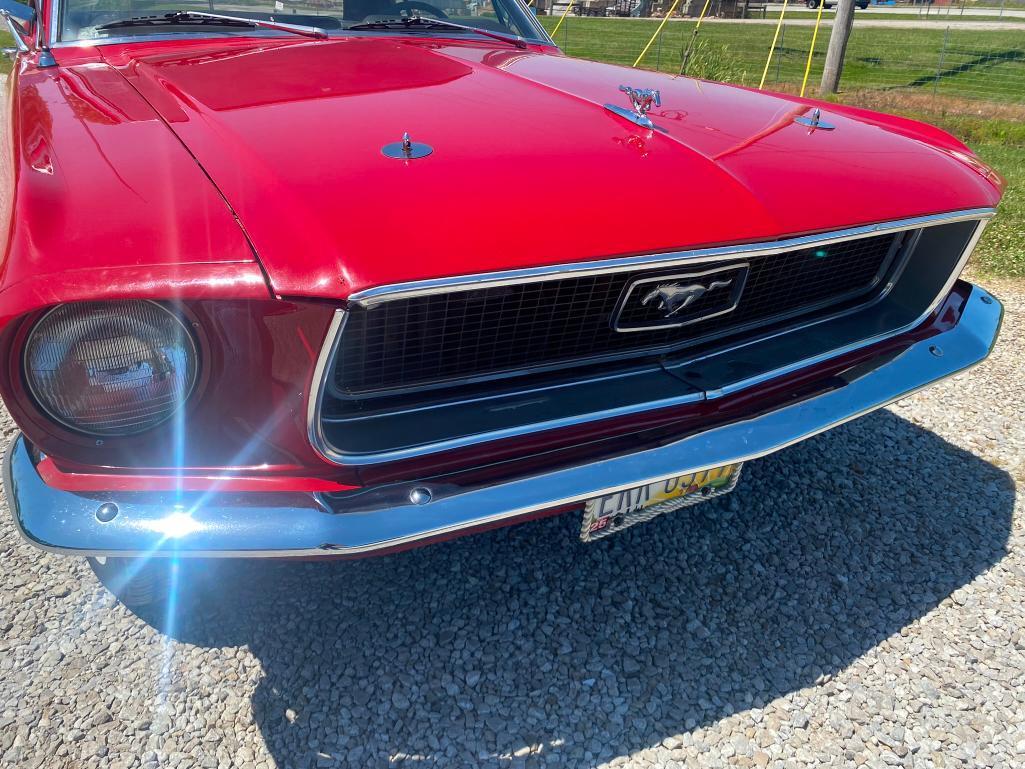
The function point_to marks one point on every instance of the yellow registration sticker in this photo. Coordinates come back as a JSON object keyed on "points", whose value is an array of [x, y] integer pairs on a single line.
{"points": [[614, 512]]}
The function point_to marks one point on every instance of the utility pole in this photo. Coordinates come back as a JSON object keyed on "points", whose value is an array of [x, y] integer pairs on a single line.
{"points": [[842, 23]]}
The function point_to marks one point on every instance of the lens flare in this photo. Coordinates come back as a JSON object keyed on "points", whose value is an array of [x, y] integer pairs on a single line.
{"points": [[175, 525]]}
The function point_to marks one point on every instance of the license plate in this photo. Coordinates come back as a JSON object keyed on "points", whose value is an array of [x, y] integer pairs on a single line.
{"points": [[614, 512]]}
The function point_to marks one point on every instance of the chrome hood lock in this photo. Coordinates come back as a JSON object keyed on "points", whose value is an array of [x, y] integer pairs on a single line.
{"points": [[406, 149]]}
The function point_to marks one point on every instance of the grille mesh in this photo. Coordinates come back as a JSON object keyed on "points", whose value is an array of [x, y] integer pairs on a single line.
{"points": [[454, 336]]}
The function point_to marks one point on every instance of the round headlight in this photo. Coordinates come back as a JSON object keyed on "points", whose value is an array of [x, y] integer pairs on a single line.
{"points": [[110, 368]]}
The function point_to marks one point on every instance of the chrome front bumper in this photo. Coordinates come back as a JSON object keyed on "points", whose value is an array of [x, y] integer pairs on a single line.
{"points": [[303, 525]]}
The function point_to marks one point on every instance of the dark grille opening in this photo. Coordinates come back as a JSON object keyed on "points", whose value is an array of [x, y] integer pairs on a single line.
{"points": [[413, 342]]}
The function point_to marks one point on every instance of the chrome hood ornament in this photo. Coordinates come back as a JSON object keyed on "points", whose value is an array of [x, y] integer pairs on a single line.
{"points": [[815, 122], [642, 100]]}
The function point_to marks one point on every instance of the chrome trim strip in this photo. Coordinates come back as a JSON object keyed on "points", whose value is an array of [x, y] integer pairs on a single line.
{"points": [[15, 31], [297, 524], [54, 22], [155, 38], [373, 296], [318, 385], [163, 36], [37, 34], [543, 39], [530, 12], [524, 391], [325, 363]]}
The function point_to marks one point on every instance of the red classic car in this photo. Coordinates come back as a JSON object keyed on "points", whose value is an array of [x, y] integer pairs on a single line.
{"points": [[335, 279]]}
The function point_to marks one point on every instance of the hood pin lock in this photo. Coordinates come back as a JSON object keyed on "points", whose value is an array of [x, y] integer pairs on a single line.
{"points": [[406, 149]]}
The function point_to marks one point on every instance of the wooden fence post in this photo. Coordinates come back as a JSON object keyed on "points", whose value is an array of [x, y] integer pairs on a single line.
{"points": [[841, 33], [939, 64]]}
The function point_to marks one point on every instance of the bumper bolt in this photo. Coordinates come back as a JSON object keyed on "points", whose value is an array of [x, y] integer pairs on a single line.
{"points": [[937, 351], [420, 495], [106, 512]]}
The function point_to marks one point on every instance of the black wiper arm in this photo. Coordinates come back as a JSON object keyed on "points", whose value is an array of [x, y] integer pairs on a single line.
{"points": [[201, 17], [420, 21]]}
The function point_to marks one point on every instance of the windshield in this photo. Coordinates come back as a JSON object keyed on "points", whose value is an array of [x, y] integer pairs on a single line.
{"points": [[86, 19]]}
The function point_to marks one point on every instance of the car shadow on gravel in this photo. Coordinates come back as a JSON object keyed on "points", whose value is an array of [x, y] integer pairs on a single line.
{"points": [[525, 647]]}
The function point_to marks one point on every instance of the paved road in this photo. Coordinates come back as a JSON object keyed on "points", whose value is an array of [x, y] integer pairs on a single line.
{"points": [[858, 601], [877, 21], [935, 12], [979, 26], [880, 23]]}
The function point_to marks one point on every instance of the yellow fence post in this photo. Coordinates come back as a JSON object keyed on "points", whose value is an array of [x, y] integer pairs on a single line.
{"points": [[811, 49], [562, 18], [658, 31], [685, 55], [772, 48]]}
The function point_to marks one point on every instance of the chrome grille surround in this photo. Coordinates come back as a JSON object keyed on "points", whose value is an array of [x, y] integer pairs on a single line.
{"points": [[421, 343], [372, 296], [376, 295]]}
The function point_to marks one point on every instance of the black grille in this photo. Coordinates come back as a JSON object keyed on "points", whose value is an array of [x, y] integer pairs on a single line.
{"points": [[563, 321]]}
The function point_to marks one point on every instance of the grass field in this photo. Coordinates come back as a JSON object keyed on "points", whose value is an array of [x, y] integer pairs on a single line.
{"points": [[1002, 250], [987, 64], [1000, 141]]}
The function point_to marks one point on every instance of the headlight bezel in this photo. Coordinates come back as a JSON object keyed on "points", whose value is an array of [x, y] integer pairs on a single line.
{"points": [[188, 332]]}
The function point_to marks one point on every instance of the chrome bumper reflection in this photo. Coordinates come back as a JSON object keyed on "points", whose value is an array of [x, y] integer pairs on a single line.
{"points": [[299, 524]]}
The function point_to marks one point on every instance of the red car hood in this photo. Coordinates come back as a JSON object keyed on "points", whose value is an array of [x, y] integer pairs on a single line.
{"points": [[528, 167]]}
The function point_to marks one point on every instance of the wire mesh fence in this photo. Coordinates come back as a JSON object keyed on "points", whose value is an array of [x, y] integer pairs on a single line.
{"points": [[982, 65]]}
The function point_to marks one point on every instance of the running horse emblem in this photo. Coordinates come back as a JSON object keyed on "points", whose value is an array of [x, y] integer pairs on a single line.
{"points": [[672, 297]]}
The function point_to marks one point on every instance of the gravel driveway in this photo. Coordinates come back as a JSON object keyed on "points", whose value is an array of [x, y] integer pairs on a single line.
{"points": [[859, 600]]}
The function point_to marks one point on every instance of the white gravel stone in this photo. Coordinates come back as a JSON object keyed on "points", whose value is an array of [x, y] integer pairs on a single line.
{"points": [[858, 601]]}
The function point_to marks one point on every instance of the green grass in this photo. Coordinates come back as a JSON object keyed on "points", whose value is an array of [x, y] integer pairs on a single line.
{"points": [[6, 41], [975, 131], [1001, 144], [986, 64], [1001, 253]]}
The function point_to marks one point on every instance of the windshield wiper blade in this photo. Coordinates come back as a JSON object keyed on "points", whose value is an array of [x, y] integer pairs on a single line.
{"points": [[202, 17], [419, 21]]}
